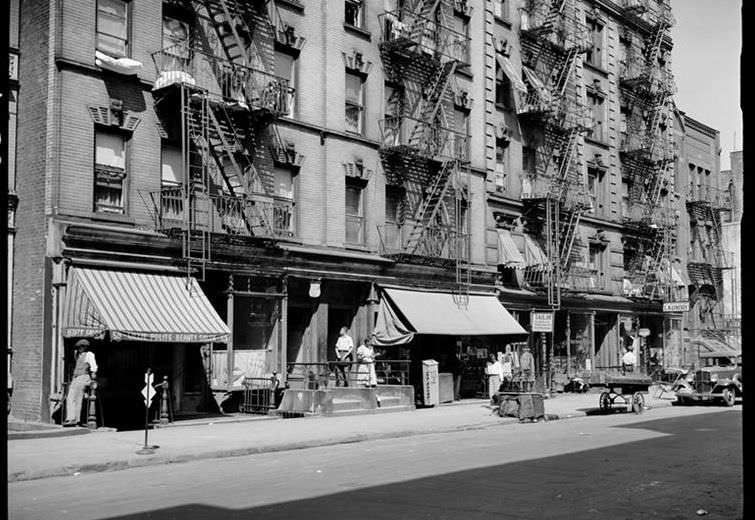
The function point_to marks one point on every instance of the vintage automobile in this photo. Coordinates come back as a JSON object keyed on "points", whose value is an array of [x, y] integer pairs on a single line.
{"points": [[719, 378]]}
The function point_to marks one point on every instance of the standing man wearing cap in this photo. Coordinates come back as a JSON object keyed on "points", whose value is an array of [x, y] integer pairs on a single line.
{"points": [[83, 374]]}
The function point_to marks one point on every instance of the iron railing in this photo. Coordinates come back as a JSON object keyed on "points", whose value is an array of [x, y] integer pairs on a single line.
{"points": [[404, 28], [425, 137], [436, 241], [321, 375], [230, 81], [260, 394], [258, 215]]}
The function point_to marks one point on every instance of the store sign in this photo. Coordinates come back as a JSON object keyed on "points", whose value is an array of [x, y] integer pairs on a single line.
{"points": [[13, 66], [676, 307], [542, 321]]}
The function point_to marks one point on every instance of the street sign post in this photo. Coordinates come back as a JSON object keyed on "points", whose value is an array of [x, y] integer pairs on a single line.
{"points": [[149, 393]]}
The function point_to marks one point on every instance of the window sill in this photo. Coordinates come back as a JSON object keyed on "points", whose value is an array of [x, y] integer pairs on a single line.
{"points": [[465, 72], [598, 142], [502, 107], [293, 4], [358, 31], [503, 21], [595, 68], [112, 217]]}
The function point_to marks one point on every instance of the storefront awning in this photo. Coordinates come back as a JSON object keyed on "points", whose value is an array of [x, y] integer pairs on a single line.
{"points": [[508, 252], [437, 313], [537, 84], [139, 307], [534, 255], [510, 71]]}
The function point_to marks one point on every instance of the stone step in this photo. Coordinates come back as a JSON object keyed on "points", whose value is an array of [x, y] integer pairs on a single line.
{"points": [[346, 404], [382, 409]]}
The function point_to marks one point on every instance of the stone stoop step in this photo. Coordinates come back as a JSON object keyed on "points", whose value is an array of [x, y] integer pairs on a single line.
{"points": [[346, 404], [363, 411]]}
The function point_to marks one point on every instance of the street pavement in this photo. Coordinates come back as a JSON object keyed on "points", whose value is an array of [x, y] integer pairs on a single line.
{"points": [[35, 458], [670, 463]]}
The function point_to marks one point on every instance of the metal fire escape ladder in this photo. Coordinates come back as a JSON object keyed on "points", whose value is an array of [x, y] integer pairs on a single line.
{"points": [[222, 15], [431, 204], [562, 80], [430, 106], [196, 246], [654, 47]]}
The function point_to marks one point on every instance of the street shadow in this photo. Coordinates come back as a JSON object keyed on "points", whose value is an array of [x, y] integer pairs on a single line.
{"points": [[653, 478]]}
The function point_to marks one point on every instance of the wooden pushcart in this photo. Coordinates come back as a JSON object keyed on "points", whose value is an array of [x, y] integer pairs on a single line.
{"points": [[629, 390]]}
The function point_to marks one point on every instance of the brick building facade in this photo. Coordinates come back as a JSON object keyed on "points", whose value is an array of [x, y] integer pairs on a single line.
{"points": [[298, 160]]}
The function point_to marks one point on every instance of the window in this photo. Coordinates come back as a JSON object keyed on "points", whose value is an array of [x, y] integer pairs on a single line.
{"points": [[500, 166], [595, 53], [109, 172], [285, 68], [593, 187], [461, 42], [354, 99], [283, 210], [502, 89], [354, 216], [529, 160], [175, 33], [112, 27], [595, 263], [392, 235], [625, 190], [598, 109], [461, 136], [501, 9], [353, 13], [172, 166]]}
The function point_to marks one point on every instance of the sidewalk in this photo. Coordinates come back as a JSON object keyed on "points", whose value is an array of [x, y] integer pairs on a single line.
{"points": [[34, 458]]}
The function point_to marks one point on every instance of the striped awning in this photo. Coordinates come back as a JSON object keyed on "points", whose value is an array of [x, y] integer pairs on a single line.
{"points": [[508, 252], [510, 71], [139, 307]]}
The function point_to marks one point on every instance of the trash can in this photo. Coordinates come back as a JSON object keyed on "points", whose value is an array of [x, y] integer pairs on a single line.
{"points": [[430, 386]]}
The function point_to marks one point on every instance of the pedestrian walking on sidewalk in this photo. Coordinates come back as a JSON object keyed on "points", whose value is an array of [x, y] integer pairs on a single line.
{"points": [[344, 349], [507, 368], [366, 355], [527, 368], [84, 374], [494, 372]]}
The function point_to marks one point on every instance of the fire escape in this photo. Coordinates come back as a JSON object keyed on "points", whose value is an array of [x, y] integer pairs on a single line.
{"points": [[421, 151], [647, 154], [708, 260], [228, 103], [552, 39]]}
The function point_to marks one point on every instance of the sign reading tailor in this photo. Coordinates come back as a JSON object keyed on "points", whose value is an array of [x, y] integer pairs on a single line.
{"points": [[541, 321], [676, 307]]}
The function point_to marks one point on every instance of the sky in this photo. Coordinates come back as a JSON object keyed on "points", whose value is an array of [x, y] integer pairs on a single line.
{"points": [[707, 40]]}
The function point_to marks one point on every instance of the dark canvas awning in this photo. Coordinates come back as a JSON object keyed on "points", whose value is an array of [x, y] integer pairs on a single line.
{"points": [[508, 252], [510, 71], [139, 307], [423, 312]]}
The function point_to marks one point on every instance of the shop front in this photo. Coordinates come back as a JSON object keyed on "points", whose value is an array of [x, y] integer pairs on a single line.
{"points": [[457, 332], [137, 321]]}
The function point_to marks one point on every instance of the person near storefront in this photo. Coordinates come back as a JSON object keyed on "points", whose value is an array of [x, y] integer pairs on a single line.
{"points": [[344, 349], [494, 373], [527, 369], [84, 373]]}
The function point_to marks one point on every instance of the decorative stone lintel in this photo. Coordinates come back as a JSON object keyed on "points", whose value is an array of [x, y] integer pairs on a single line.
{"points": [[114, 115], [462, 99], [463, 8], [285, 154], [356, 62], [356, 170], [286, 36]]}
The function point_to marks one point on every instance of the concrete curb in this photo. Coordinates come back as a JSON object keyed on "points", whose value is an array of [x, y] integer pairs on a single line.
{"points": [[272, 448]]}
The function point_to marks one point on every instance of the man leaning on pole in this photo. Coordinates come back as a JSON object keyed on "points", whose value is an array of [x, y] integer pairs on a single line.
{"points": [[83, 374]]}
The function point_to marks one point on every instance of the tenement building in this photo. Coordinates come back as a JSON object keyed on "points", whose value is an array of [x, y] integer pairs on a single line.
{"points": [[213, 188]]}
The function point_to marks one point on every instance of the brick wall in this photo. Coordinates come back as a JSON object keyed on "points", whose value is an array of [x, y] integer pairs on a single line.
{"points": [[31, 296]]}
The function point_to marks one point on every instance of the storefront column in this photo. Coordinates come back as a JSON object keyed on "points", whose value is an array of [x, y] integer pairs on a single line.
{"points": [[283, 322], [592, 341], [568, 345], [229, 345]]}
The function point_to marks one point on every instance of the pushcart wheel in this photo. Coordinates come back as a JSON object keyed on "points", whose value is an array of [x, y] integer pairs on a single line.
{"points": [[638, 402], [605, 401]]}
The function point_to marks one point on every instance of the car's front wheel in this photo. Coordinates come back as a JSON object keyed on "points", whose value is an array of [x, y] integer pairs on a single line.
{"points": [[729, 396]]}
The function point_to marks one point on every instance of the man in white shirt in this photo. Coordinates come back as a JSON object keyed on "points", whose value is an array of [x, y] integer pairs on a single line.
{"points": [[84, 373], [629, 359], [344, 348]]}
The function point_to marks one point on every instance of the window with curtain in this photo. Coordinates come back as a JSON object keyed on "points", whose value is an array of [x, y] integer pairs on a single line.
{"points": [[502, 89], [501, 9], [283, 218], [285, 68], [353, 13], [354, 102], [112, 28], [391, 236], [598, 110], [354, 215], [500, 166], [175, 35], [171, 181], [109, 172], [595, 53]]}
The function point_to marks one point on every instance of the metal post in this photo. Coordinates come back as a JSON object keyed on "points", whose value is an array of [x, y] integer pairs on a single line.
{"points": [[568, 344], [229, 345], [592, 342], [544, 351], [92, 411], [283, 369], [164, 402]]}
